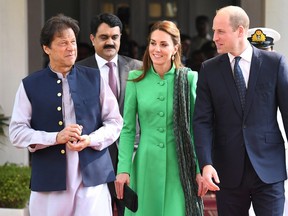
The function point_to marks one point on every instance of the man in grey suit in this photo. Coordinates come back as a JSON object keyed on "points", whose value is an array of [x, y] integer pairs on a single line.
{"points": [[105, 35], [237, 137]]}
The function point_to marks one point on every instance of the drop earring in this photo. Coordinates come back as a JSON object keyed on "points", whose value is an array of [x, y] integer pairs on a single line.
{"points": [[173, 57]]}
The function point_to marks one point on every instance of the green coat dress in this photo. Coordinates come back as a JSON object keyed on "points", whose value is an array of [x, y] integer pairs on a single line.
{"points": [[154, 172]]}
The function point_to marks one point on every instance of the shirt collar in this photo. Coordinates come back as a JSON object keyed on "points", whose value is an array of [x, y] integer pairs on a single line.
{"points": [[246, 55], [101, 61], [59, 74]]}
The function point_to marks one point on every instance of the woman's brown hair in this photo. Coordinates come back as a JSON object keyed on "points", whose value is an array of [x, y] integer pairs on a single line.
{"points": [[170, 28]]}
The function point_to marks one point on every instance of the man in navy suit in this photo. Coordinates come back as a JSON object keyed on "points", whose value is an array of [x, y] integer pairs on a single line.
{"points": [[105, 35], [240, 148]]}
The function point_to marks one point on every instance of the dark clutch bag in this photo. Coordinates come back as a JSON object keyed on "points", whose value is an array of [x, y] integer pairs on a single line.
{"points": [[130, 199]]}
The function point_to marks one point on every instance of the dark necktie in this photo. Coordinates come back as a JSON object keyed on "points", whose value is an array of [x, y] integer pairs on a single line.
{"points": [[240, 82], [112, 79]]}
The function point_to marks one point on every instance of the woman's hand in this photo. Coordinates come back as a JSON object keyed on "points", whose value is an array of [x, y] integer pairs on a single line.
{"points": [[202, 187], [211, 178], [121, 179]]}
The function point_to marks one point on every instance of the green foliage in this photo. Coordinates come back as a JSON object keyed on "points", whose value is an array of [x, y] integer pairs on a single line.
{"points": [[3, 123], [14, 186]]}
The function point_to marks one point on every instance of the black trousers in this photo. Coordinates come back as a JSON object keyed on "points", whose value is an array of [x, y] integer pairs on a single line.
{"points": [[267, 199]]}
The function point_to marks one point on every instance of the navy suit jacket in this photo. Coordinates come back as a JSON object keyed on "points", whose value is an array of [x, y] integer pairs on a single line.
{"points": [[223, 133]]}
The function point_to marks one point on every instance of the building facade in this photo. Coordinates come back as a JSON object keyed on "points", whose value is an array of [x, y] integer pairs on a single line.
{"points": [[22, 20]]}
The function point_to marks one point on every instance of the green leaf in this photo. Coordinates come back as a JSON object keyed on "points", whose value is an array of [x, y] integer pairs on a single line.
{"points": [[14, 181]]}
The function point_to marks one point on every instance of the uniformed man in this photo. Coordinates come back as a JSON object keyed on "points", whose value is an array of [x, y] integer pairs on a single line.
{"points": [[263, 38]]}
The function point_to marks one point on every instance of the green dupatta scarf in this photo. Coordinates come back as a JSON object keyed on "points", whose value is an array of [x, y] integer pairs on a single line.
{"points": [[184, 145]]}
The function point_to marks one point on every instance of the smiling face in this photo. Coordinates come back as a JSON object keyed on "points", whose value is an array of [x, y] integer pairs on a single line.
{"points": [[63, 51], [161, 50], [106, 41]]}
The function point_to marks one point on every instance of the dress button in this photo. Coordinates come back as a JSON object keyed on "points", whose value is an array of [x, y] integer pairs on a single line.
{"points": [[60, 123], [59, 108], [161, 98], [59, 94], [161, 145], [62, 151], [161, 114], [161, 130]]}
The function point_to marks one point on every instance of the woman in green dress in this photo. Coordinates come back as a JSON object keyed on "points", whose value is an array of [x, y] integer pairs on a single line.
{"points": [[164, 171]]}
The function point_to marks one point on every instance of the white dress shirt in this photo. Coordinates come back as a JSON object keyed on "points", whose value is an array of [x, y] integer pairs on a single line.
{"points": [[244, 63]]}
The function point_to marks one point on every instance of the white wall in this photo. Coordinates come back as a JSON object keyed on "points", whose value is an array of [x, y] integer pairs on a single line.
{"points": [[276, 12], [13, 64]]}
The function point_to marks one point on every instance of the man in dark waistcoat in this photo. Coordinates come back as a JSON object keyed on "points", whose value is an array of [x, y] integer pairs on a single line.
{"points": [[66, 116]]}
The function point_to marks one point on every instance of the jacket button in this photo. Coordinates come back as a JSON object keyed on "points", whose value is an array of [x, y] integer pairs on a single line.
{"points": [[60, 123], [58, 81], [59, 94], [59, 108], [62, 151]]}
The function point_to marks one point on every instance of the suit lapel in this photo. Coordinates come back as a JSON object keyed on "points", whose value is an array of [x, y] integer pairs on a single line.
{"points": [[93, 62], [123, 76], [253, 75], [229, 81]]}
